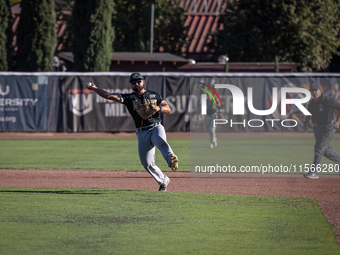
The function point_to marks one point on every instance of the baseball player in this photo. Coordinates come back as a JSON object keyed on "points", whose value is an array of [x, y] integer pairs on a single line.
{"points": [[145, 107], [321, 107], [213, 112]]}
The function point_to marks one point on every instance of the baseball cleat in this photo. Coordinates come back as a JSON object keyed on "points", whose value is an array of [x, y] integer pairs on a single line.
{"points": [[311, 175], [174, 162], [163, 187], [211, 146]]}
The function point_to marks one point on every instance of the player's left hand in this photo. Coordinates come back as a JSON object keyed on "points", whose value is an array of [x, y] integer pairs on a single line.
{"points": [[145, 110], [336, 125]]}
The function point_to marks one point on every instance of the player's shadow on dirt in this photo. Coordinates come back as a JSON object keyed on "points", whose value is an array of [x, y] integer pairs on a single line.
{"points": [[63, 192], [135, 177], [51, 192]]}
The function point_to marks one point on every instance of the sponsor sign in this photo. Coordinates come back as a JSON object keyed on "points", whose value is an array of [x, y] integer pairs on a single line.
{"points": [[80, 101], [23, 103]]}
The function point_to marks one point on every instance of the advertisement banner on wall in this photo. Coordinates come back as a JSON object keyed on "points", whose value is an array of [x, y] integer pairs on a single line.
{"points": [[84, 110], [264, 102], [177, 95], [23, 103]]}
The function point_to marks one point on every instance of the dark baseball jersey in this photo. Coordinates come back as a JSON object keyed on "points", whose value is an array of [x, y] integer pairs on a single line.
{"points": [[149, 97], [323, 110], [212, 108]]}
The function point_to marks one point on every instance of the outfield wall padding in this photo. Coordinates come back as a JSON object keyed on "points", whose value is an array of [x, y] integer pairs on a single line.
{"points": [[60, 102]]}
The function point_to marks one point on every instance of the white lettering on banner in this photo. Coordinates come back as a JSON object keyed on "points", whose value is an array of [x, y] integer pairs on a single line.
{"points": [[11, 109], [18, 101], [193, 103], [170, 100], [12, 119], [100, 99], [239, 100], [80, 104], [11, 104], [110, 110], [4, 93], [182, 103], [115, 110]]}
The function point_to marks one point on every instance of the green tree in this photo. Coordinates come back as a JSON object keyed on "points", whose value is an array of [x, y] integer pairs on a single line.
{"points": [[132, 19], [170, 31], [6, 35], [36, 36], [93, 35], [301, 31]]}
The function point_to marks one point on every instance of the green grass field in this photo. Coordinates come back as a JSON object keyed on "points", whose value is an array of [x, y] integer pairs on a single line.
{"points": [[93, 153], [121, 153], [274, 151], [103, 221]]}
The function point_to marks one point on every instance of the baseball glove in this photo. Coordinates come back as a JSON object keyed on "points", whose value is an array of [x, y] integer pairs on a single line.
{"points": [[145, 110]]}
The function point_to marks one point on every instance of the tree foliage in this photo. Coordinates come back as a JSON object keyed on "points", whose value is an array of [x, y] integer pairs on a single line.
{"points": [[6, 35], [93, 35], [301, 31], [61, 5], [132, 22], [36, 36], [170, 32]]}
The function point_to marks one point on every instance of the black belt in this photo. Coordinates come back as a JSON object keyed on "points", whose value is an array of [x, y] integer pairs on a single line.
{"points": [[147, 127], [319, 124]]}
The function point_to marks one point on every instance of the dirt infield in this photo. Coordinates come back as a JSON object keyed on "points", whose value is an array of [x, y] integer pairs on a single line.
{"points": [[325, 190]]}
